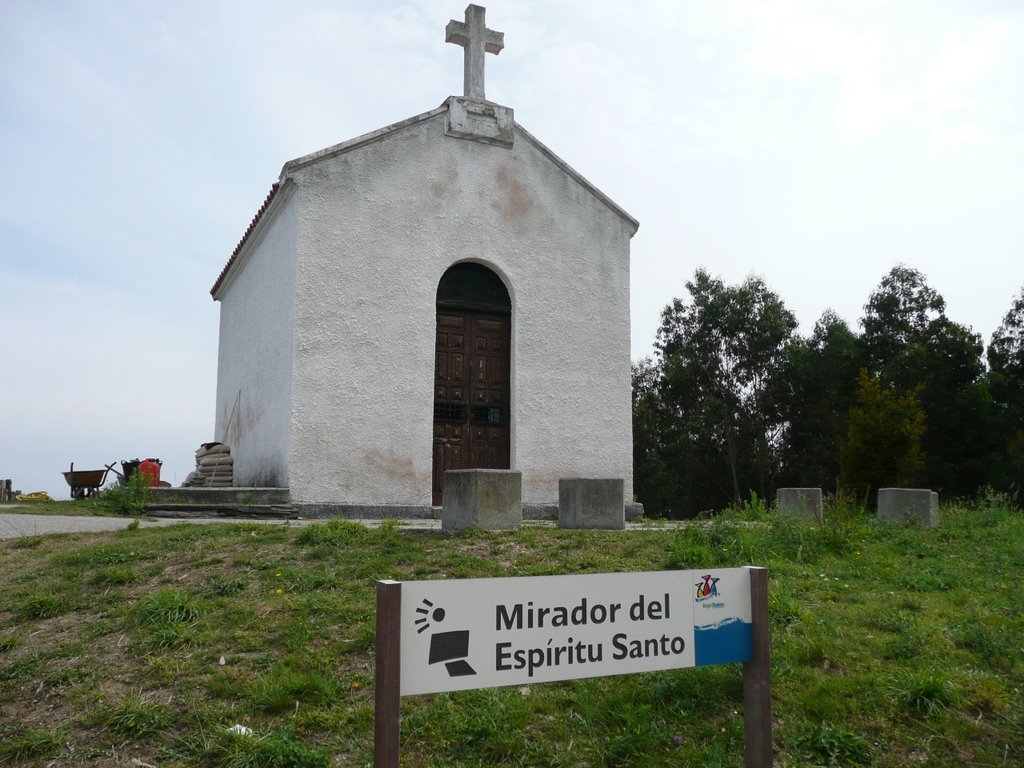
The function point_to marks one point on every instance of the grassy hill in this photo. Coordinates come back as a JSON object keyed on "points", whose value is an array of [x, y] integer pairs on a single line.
{"points": [[892, 646]]}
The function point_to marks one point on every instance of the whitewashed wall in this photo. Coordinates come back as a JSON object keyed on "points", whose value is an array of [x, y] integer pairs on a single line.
{"points": [[254, 366], [377, 226]]}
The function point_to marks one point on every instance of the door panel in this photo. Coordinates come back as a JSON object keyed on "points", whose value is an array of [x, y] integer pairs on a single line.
{"points": [[471, 393]]}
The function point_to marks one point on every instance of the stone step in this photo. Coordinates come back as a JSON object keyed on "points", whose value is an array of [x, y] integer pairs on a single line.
{"points": [[249, 511], [219, 495]]}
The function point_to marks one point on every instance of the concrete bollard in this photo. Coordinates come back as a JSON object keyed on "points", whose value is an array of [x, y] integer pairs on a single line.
{"points": [[800, 502], [911, 505], [482, 498], [591, 503]]}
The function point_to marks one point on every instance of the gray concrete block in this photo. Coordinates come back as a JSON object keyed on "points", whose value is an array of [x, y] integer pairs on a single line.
{"points": [[800, 502], [911, 505], [634, 511], [591, 503], [482, 498]]}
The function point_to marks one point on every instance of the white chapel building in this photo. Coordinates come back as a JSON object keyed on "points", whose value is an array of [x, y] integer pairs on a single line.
{"points": [[442, 293]]}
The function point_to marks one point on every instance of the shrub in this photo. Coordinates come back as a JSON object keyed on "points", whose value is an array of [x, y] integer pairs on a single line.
{"points": [[127, 499], [883, 442]]}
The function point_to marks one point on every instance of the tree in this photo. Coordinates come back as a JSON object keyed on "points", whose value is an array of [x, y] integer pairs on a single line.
{"points": [[897, 314], [1006, 349], [654, 477], [1006, 376], [720, 357], [946, 364], [820, 385], [908, 343], [883, 443]]}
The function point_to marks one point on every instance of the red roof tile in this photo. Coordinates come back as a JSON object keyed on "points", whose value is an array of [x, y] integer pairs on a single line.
{"points": [[245, 237]]}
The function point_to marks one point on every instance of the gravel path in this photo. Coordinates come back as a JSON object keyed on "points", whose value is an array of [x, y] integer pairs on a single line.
{"points": [[13, 525]]}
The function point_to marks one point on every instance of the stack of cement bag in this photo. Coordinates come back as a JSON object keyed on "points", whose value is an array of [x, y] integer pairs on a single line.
{"points": [[214, 467]]}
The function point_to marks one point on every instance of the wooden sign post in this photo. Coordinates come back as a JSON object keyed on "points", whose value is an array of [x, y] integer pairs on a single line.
{"points": [[757, 678], [462, 634], [387, 675]]}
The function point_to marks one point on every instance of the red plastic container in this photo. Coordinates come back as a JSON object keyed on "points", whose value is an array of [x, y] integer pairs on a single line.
{"points": [[149, 469]]}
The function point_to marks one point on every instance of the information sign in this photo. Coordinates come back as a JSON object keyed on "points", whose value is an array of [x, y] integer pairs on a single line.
{"points": [[435, 636], [480, 633]]}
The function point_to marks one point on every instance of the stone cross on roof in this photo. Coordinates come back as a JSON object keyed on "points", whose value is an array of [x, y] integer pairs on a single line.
{"points": [[476, 38]]}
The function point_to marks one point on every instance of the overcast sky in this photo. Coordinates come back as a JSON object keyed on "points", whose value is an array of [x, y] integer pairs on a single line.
{"points": [[816, 144]]}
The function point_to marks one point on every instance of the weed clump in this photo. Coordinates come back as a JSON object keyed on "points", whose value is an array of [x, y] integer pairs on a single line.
{"points": [[134, 716], [221, 585], [834, 745], [925, 692], [20, 743], [717, 542], [336, 533], [169, 618], [168, 605], [278, 749], [41, 605], [115, 574], [283, 689], [129, 498]]}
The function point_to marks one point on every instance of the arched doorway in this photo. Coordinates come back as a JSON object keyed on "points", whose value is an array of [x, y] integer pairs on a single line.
{"points": [[471, 372]]}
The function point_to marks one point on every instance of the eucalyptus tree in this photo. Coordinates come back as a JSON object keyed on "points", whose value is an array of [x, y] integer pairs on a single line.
{"points": [[1006, 349], [819, 387], [898, 314], [909, 342], [655, 462], [1006, 374], [721, 355]]}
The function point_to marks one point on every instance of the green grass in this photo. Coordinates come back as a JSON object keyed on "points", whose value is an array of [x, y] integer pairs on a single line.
{"points": [[136, 716], [102, 506], [21, 744], [37, 604], [892, 646]]}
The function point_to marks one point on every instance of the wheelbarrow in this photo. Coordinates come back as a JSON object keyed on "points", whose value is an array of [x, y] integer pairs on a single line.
{"points": [[85, 482]]}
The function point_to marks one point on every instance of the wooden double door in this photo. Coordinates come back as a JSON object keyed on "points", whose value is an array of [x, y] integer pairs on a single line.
{"points": [[471, 393]]}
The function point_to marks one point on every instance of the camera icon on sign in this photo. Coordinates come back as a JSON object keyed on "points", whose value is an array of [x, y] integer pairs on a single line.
{"points": [[449, 648]]}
